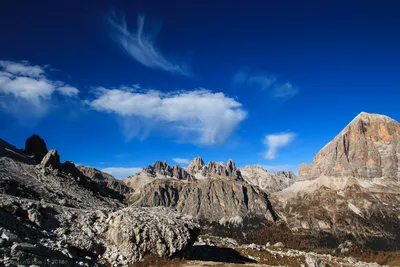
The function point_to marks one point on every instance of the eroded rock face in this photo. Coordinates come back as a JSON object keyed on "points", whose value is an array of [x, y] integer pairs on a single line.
{"points": [[267, 181], [222, 200], [51, 159], [369, 147], [213, 169], [36, 146]]}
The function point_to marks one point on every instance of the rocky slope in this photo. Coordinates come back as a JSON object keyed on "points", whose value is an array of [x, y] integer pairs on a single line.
{"points": [[105, 179], [369, 147], [223, 200], [269, 182], [52, 214], [351, 191]]}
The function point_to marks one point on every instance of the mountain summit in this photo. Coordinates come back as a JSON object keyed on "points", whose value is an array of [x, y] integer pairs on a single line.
{"points": [[368, 147]]}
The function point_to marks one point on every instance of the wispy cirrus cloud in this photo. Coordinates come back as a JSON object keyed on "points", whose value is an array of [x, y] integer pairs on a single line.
{"points": [[181, 161], [140, 45], [198, 116], [264, 82], [276, 141], [27, 88]]}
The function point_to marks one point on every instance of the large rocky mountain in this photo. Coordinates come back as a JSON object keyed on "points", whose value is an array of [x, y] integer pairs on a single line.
{"points": [[369, 147], [351, 190]]}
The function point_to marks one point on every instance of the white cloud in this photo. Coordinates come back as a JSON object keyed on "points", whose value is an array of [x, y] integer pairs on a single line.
{"points": [[121, 172], [22, 68], [68, 90], [198, 116], [264, 82], [181, 161], [140, 46], [27, 88], [275, 141], [20, 82]]}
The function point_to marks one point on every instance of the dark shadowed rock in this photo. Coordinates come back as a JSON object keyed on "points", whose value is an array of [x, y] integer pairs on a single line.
{"points": [[36, 146]]}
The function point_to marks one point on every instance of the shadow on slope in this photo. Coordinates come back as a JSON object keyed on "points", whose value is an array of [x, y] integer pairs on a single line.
{"points": [[217, 254]]}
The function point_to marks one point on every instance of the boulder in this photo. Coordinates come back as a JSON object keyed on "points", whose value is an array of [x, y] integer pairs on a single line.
{"points": [[127, 235], [135, 232]]}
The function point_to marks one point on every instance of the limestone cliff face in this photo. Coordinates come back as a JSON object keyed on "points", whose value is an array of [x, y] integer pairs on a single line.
{"points": [[369, 147], [215, 200], [269, 182]]}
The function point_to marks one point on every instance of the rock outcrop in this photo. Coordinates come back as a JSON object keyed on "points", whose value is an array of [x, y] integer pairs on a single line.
{"points": [[269, 182], [369, 147], [51, 159], [222, 200], [36, 146], [213, 169]]}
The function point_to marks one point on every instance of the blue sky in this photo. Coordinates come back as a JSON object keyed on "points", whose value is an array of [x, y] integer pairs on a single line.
{"points": [[120, 84]]}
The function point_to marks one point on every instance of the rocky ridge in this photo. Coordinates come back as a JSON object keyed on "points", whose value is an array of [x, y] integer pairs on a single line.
{"points": [[200, 170], [269, 182], [105, 179]]}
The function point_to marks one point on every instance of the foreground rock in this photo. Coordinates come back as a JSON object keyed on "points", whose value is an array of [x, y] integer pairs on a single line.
{"points": [[33, 232]]}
